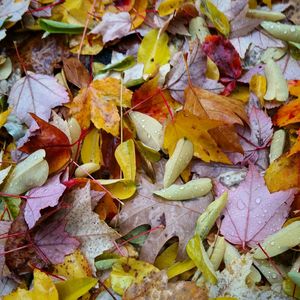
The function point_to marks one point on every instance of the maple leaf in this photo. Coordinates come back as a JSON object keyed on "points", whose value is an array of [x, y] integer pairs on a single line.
{"points": [[255, 140], [36, 93], [157, 284], [288, 114], [98, 103], [178, 78], [196, 130], [113, 26], [252, 212], [53, 140], [53, 243], [95, 235], [42, 197], [178, 218]]}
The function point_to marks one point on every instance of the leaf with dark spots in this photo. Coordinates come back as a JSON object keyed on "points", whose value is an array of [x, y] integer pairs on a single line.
{"points": [[53, 140]]}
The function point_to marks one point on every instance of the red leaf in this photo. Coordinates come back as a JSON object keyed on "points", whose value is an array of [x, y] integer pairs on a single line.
{"points": [[224, 55], [53, 140]]}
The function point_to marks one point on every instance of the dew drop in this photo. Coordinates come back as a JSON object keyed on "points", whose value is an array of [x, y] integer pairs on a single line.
{"points": [[272, 243], [274, 276], [258, 200], [181, 188], [293, 29]]}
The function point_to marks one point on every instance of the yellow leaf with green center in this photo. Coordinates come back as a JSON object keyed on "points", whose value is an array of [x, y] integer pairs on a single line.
{"points": [[154, 51], [125, 156], [127, 271], [43, 288]]}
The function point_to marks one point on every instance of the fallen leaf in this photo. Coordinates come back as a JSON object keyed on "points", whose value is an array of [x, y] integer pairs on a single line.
{"points": [[53, 140], [127, 271], [29, 93], [250, 202], [196, 130], [156, 285], [76, 72], [179, 77], [98, 103], [113, 26], [53, 243], [41, 197], [178, 218], [287, 114], [154, 51], [4, 229], [95, 236], [43, 287], [255, 140], [167, 7], [138, 13]]}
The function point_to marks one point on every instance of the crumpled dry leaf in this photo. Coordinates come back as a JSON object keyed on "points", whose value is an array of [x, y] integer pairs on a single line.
{"points": [[98, 103], [95, 236], [252, 212], [156, 286], [178, 78], [36, 93], [178, 218], [113, 26]]}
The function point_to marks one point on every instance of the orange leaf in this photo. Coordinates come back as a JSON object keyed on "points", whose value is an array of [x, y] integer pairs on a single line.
{"points": [[283, 173], [53, 140], [288, 114], [98, 103], [187, 125], [138, 13], [150, 100]]}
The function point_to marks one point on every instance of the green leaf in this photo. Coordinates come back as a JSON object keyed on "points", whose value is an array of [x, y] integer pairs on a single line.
{"points": [[74, 288], [295, 277], [219, 20], [279, 242], [179, 160], [60, 27], [192, 189], [119, 66], [154, 51], [12, 205], [138, 240], [198, 255], [207, 219], [29, 173]]}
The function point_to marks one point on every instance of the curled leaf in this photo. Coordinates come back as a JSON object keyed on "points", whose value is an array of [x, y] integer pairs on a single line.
{"points": [[192, 189], [277, 88], [178, 161]]}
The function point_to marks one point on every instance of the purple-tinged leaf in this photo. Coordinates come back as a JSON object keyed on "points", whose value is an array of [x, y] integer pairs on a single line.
{"points": [[53, 243], [42, 197], [252, 212]]}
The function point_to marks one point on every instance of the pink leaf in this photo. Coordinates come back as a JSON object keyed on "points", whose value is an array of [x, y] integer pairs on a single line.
{"points": [[252, 212], [42, 197], [36, 93], [53, 243]]}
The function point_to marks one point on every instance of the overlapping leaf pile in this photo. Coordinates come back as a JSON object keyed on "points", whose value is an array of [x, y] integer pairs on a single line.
{"points": [[149, 149]]}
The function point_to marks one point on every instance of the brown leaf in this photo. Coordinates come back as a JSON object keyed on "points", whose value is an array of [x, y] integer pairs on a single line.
{"points": [[76, 72], [179, 218], [156, 286]]}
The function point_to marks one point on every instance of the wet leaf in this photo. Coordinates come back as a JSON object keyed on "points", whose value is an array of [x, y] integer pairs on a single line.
{"points": [[91, 151]]}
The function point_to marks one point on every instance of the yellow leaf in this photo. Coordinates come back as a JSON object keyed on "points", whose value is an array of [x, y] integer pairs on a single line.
{"points": [[73, 289], [43, 288], [167, 7], [268, 2], [90, 46], [125, 156], [241, 93], [90, 151], [98, 103], [154, 51], [167, 257], [186, 125], [198, 255], [180, 267], [219, 20], [127, 271], [138, 13], [258, 85], [75, 265], [119, 188], [212, 71], [283, 173], [3, 117]]}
